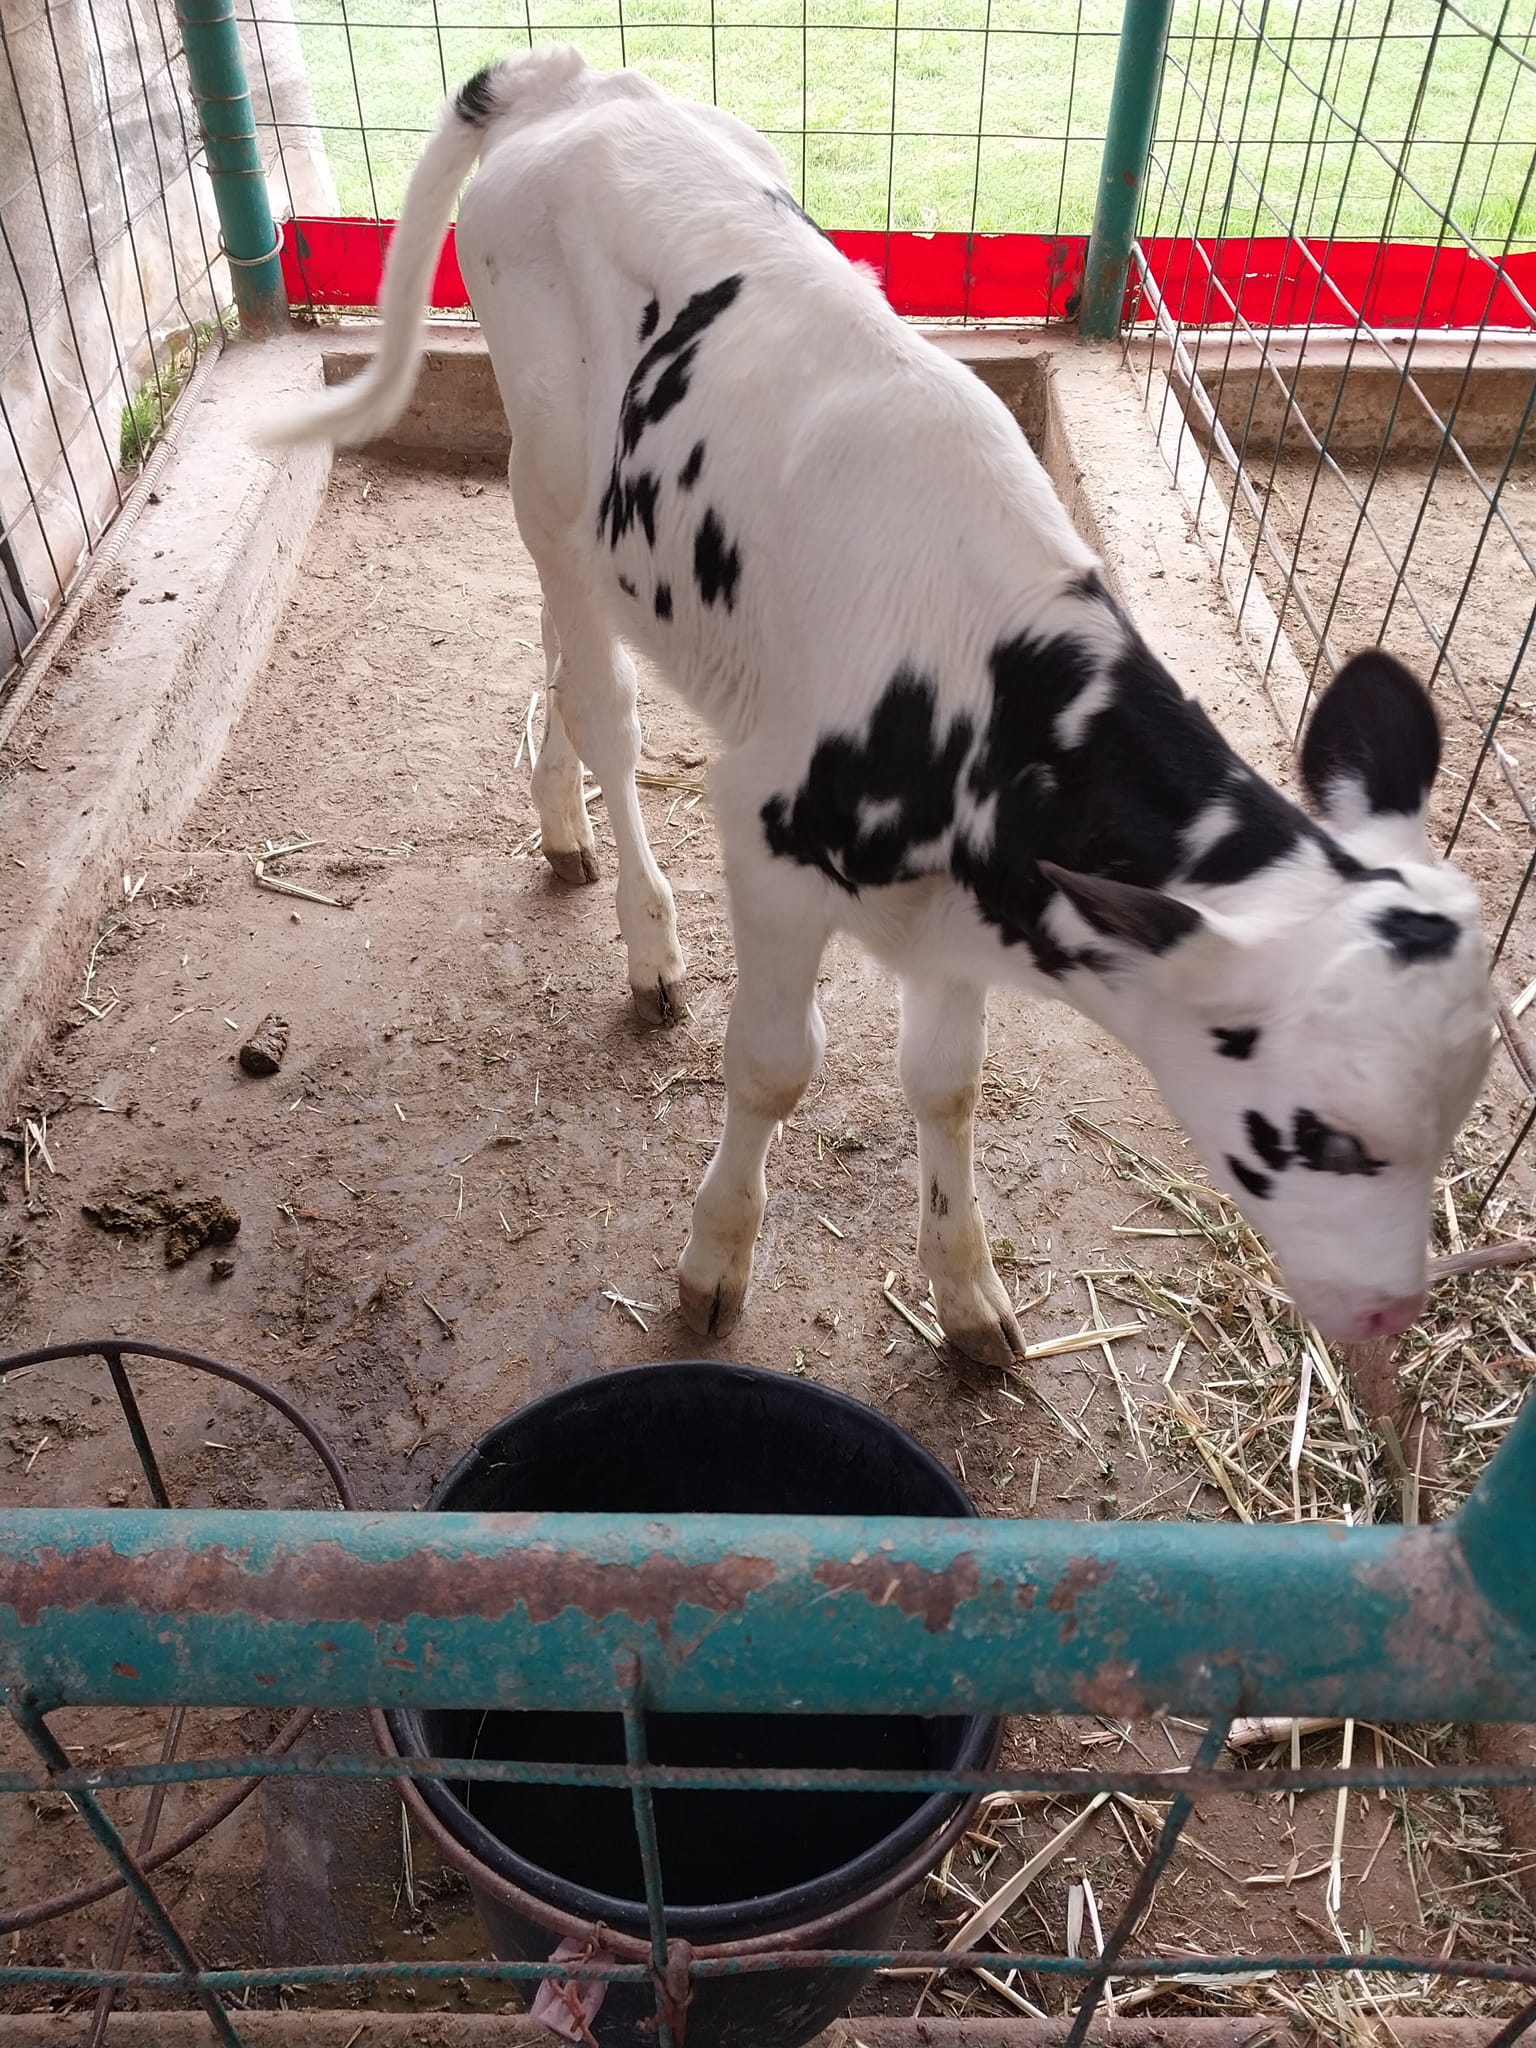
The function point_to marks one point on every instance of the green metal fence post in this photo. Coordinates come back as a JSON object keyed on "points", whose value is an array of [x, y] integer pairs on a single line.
{"points": [[1496, 1527], [216, 66], [1127, 145]]}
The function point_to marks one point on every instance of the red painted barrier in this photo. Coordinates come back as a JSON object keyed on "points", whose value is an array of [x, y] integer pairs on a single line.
{"points": [[1275, 280]]}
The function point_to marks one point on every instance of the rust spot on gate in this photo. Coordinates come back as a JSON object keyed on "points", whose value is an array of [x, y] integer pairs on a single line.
{"points": [[328, 1583], [885, 1581], [1081, 1576], [1114, 1691], [1444, 1624]]}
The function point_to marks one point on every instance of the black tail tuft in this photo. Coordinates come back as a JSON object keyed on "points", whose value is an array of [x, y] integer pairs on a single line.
{"points": [[476, 102]]}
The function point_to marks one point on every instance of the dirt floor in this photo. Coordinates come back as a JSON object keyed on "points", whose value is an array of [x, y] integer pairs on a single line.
{"points": [[468, 1183]]}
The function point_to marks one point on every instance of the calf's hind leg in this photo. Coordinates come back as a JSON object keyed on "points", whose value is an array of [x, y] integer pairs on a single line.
{"points": [[565, 827], [592, 696]]}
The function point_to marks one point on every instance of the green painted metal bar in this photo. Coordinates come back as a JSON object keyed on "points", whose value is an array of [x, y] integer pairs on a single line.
{"points": [[226, 120], [645, 1835], [1497, 1528], [1123, 167], [742, 1613]]}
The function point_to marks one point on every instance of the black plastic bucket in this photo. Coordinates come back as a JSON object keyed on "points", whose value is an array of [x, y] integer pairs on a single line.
{"points": [[736, 1866]]}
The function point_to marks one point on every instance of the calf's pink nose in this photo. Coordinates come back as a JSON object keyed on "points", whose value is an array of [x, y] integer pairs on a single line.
{"points": [[1393, 1317]]}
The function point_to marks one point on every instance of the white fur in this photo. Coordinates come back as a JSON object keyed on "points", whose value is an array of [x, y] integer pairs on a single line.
{"points": [[888, 513]]}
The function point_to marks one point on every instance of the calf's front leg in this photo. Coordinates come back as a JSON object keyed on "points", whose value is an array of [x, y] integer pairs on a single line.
{"points": [[773, 1045], [943, 1044]]}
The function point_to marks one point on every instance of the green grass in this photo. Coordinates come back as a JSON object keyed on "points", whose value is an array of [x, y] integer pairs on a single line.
{"points": [[145, 415], [991, 113]]}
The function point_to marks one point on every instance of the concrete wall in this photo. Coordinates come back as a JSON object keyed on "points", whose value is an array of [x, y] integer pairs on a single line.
{"points": [[1356, 399]]}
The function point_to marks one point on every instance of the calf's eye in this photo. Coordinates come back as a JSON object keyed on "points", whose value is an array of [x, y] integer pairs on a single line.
{"points": [[1339, 1153], [1327, 1150]]}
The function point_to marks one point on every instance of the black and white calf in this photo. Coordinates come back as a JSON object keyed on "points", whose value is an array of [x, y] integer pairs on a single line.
{"points": [[937, 729]]}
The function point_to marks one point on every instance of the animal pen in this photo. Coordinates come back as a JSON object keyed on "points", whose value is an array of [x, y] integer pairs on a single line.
{"points": [[1304, 239]]}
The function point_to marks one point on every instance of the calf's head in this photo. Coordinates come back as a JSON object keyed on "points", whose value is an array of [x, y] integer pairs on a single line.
{"points": [[1322, 1028]]}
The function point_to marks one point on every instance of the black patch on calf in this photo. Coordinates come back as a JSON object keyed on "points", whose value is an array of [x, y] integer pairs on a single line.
{"points": [[1235, 1044], [649, 319], [903, 763], [1266, 1141], [645, 488], [1264, 831], [663, 600], [669, 390], [1114, 808], [1155, 763], [626, 500], [1117, 808], [476, 101], [716, 564], [688, 475], [1257, 1184], [1324, 1149], [627, 587], [777, 196], [672, 354], [1374, 726], [1090, 584], [1355, 873], [1415, 935]]}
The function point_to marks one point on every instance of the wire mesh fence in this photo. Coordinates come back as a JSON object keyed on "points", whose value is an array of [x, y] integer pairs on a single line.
{"points": [[109, 1613], [114, 281], [1338, 263], [1367, 453], [109, 287], [926, 115]]}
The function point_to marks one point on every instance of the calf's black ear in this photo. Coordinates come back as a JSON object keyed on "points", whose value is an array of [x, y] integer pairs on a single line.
{"points": [[1145, 918], [1372, 747]]}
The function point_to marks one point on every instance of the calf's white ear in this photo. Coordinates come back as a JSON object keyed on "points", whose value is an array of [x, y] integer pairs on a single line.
{"points": [[1370, 756], [1144, 918]]}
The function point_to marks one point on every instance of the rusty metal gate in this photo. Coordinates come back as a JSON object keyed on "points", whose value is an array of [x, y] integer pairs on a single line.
{"points": [[732, 1613]]}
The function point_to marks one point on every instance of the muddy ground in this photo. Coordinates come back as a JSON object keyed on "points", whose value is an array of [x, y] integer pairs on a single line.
{"points": [[469, 1152]]}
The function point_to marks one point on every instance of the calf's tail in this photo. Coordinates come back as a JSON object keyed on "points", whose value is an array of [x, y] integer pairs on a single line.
{"points": [[368, 405]]}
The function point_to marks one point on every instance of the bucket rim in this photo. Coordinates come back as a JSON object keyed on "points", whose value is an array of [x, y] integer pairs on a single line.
{"points": [[705, 1368], [846, 1887]]}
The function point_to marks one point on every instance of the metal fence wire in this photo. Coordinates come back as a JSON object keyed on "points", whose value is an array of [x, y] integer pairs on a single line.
{"points": [[109, 280], [977, 116], [121, 1609], [114, 276], [1361, 446]]}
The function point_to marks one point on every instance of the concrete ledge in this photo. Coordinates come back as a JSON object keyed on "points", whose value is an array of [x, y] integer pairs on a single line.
{"points": [[1357, 399], [131, 719], [1100, 448], [456, 408]]}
